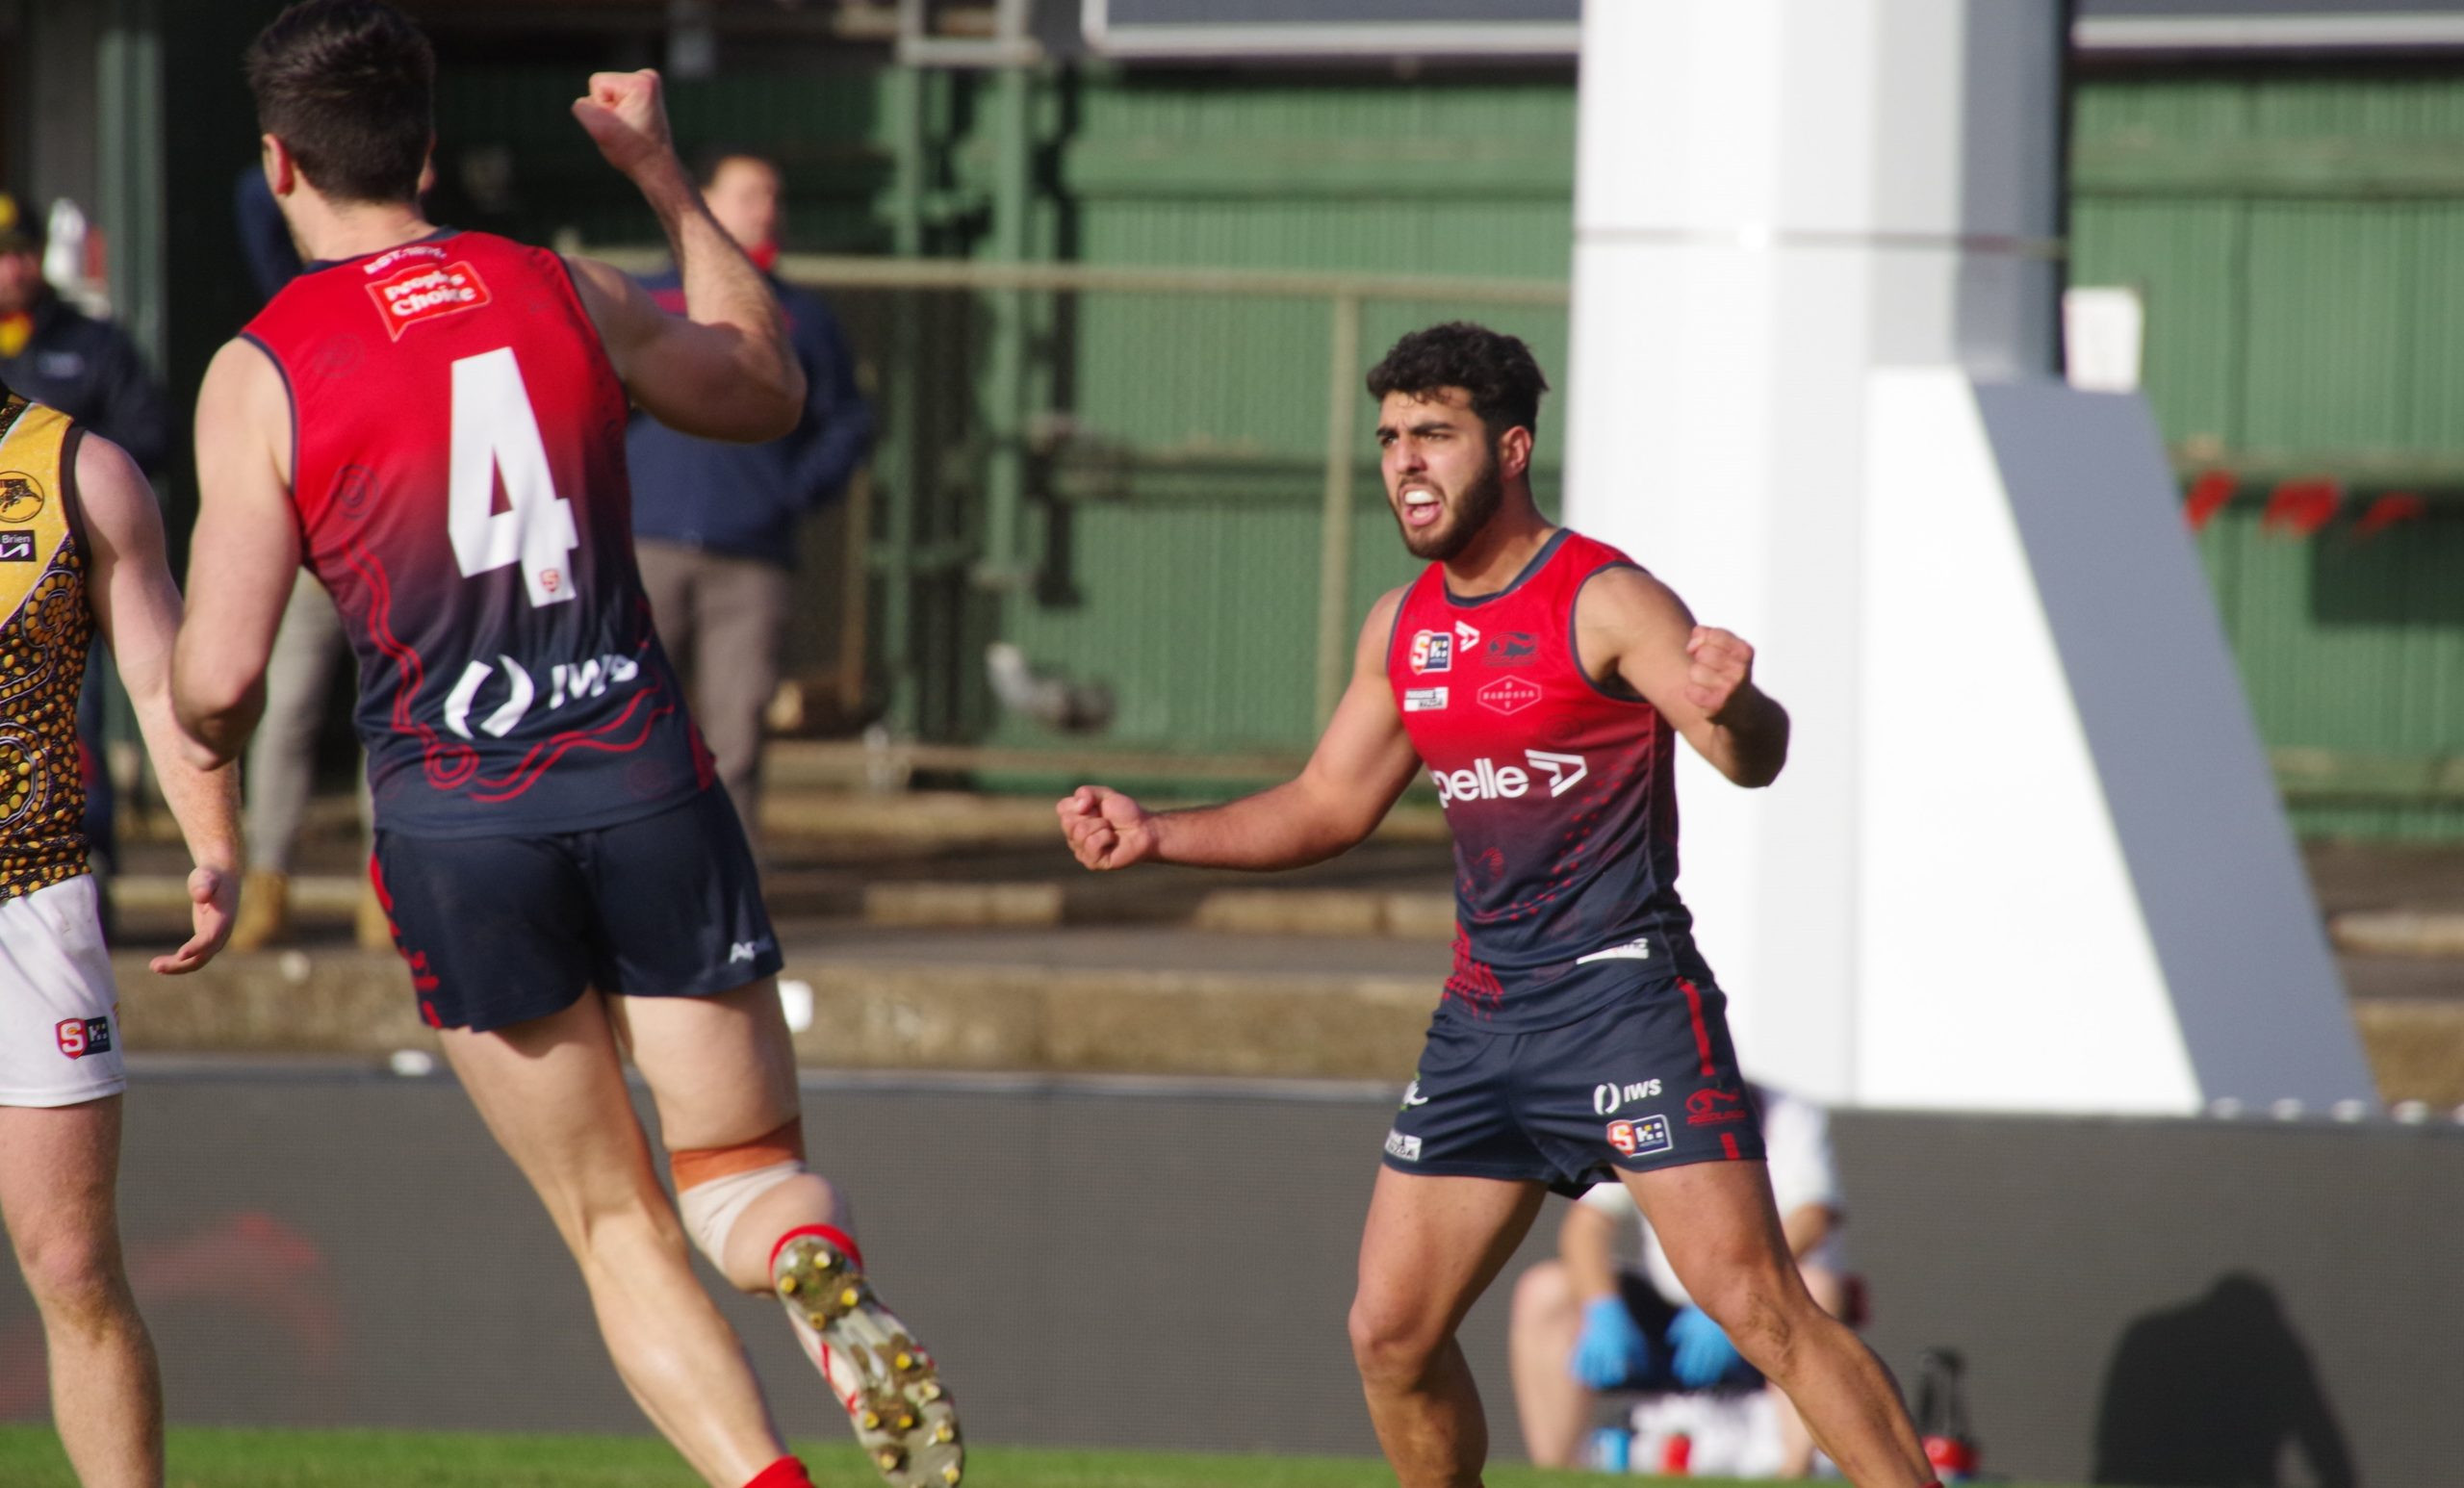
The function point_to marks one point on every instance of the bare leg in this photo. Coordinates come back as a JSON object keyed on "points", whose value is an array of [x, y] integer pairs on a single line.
{"points": [[1830, 1292], [1541, 1332], [1722, 1234], [59, 1181], [723, 1070], [1430, 1248], [553, 1091]]}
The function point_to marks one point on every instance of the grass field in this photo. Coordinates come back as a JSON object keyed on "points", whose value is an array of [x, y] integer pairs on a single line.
{"points": [[30, 1457]]}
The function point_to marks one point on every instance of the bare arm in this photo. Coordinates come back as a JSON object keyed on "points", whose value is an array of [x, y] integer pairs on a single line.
{"points": [[1587, 1242], [1700, 677], [243, 558], [725, 369], [137, 609], [1362, 763]]}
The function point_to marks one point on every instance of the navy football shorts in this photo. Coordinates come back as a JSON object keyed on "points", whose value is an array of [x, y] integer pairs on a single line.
{"points": [[502, 930], [1649, 1081]]}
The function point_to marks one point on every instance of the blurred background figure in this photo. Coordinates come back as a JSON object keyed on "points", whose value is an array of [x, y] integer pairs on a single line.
{"points": [[714, 524], [280, 772], [1591, 1321], [54, 353]]}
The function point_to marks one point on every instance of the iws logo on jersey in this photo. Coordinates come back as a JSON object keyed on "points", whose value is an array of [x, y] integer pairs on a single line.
{"points": [[20, 496], [81, 1036], [1424, 699], [1432, 651], [1485, 780], [1634, 1139], [17, 548], [1514, 648], [1507, 695], [423, 292]]}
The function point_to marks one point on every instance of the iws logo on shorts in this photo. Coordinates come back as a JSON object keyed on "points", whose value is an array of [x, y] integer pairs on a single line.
{"points": [[1607, 1096], [1711, 1106], [1398, 1145], [1636, 1138], [81, 1036]]}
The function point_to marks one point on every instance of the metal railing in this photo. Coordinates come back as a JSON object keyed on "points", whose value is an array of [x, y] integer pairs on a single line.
{"points": [[1343, 293]]}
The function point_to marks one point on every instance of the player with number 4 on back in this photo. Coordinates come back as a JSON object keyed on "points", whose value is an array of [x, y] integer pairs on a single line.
{"points": [[1543, 679], [433, 421]]}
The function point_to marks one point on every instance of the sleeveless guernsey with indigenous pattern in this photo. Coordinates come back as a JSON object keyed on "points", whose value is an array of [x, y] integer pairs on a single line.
{"points": [[44, 630], [459, 479], [1560, 792]]}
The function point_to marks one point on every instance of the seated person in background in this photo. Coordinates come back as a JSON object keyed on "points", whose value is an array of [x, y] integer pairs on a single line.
{"points": [[1583, 1324]]}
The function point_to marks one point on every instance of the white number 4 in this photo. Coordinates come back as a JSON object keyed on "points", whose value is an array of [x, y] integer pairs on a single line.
{"points": [[495, 433]]}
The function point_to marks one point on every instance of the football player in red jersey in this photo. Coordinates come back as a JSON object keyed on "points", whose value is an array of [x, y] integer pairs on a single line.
{"points": [[1542, 678], [433, 422]]}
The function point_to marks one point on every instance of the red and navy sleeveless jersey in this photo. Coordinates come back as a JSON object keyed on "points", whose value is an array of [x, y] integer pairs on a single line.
{"points": [[458, 472], [1560, 792]]}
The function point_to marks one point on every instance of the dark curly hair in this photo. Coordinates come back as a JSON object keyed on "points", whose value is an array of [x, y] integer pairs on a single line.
{"points": [[1497, 370], [348, 87]]}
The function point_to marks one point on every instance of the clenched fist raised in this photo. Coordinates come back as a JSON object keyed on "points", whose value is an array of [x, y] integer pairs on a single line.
{"points": [[624, 116]]}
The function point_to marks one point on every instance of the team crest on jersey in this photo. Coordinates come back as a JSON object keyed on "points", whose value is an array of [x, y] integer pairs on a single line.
{"points": [[20, 496], [1509, 695], [1432, 651], [424, 292], [1513, 648]]}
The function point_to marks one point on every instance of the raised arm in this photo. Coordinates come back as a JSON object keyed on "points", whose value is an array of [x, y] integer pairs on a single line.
{"points": [[725, 369], [137, 609], [1362, 763], [1632, 627], [243, 557]]}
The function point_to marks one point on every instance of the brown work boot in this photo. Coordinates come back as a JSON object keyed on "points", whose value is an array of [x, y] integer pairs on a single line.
{"points": [[373, 927], [264, 910]]}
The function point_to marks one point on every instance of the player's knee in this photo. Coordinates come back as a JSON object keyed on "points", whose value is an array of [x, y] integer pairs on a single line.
{"points": [[1391, 1345], [714, 1186], [1759, 1319], [74, 1279]]}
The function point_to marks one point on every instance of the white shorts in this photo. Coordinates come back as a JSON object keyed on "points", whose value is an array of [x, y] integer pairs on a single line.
{"points": [[59, 1008]]}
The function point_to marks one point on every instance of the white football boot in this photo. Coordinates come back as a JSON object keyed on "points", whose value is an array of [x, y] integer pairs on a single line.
{"points": [[887, 1381]]}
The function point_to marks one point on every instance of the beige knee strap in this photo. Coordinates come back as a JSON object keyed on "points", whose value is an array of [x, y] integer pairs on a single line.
{"points": [[714, 1186]]}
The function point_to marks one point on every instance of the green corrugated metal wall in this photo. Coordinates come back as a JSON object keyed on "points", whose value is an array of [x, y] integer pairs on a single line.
{"points": [[2297, 239], [2295, 236], [1194, 596]]}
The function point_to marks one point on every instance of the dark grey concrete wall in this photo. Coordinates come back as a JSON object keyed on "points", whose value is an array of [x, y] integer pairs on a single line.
{"points": [[1168, 1266]]}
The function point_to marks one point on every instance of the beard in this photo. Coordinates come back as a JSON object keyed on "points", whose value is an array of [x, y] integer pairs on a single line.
{"points": [[1465, 517]]}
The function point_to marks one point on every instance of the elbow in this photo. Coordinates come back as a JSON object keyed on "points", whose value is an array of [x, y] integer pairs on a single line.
{"points": [[782, 408], [215, 718]]}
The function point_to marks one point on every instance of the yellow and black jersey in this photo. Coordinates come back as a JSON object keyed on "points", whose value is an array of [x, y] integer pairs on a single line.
{"points": [[44, 628]]}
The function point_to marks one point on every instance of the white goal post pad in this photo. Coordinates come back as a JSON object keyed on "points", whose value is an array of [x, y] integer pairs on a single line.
{"points": [[2076, 888]]}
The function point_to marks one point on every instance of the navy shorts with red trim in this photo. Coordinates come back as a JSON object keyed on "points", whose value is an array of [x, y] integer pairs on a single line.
{"points": [[1649, 1081], [502, 930]]}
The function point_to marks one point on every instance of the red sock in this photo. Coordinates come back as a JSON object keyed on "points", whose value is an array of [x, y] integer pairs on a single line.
{"points": [[785, 1473], [838, 1240]]}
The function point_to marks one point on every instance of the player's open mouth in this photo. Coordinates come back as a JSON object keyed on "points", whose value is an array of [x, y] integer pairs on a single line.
{"points": [[1422, 508]]}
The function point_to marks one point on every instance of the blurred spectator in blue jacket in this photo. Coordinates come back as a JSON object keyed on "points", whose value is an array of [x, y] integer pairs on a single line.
{"points": [[714, 524]]}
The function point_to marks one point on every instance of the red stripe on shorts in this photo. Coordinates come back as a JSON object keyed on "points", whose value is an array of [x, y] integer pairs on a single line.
{"points": [[1702, 1034]]}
